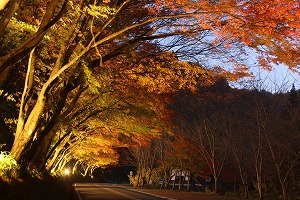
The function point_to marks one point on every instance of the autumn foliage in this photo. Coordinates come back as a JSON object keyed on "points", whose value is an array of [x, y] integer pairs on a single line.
{"points": [[81, 79]]}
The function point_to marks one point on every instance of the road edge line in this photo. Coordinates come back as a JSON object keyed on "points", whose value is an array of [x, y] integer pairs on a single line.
{"points": [[77, 193], [146, 193], [117, 192]]}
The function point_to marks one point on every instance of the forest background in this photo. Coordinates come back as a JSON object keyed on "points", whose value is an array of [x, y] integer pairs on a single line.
{"points": [[89, 84]]}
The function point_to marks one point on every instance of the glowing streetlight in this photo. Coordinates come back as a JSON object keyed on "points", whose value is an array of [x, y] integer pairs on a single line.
{"points": [[67, 172]]}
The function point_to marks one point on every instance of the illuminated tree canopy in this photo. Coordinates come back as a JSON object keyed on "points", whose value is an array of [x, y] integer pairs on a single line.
{"points": [[89, 77]]}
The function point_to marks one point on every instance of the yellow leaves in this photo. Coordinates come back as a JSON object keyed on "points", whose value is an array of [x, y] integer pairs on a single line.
{"points": [[8, 97], [93, 83], [97, 148], [101, 11], [165, 73]]}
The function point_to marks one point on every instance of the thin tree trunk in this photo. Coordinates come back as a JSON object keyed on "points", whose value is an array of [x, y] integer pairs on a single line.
{"points": [[149, 178], [173, 186], [86, 171], [180, 181], [258, 169], [168, 178], [139, 178], [188, 183], [10, 11], [242, 170], [57, 150], [216, 184], [56, 162], [7, 61], [27, 87], [75, 166]]}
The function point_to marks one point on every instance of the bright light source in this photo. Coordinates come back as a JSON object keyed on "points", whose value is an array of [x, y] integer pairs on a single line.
{"points": [[67, 171]]}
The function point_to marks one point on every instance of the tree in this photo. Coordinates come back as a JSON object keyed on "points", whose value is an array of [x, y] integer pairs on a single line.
{"points": [[264, 142], [83, 43], [145, 157], [182, 159], [293, 97], [20, 143], [204, 118]]}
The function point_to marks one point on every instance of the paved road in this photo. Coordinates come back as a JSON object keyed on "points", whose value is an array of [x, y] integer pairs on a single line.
{"points": [[100, 191]]}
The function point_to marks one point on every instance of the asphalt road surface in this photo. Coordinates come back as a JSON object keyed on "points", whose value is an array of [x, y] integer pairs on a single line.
{"points": [[100, 191]]}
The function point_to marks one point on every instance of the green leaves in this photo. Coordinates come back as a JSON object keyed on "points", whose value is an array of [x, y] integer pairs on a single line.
{"points": [[7, 164], [93, 83], [101, 11]]}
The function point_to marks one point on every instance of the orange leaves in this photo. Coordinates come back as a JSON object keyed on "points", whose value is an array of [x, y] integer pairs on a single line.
{"points": [[271, 17], [254, 23], [96, 148], [276, 25], [235, 74], [264, 63], [165, 73]]}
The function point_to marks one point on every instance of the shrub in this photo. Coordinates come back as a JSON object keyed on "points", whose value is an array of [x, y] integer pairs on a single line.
{"points": [[8, 165]]}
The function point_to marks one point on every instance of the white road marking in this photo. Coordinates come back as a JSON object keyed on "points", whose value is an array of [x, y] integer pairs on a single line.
{"points": [[152, 194], [167, 198], [118, 193], [77, 193]]}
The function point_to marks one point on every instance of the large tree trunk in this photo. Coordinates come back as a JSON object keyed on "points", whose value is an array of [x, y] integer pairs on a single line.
{"points": [[39, 157], [23, 137]]}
